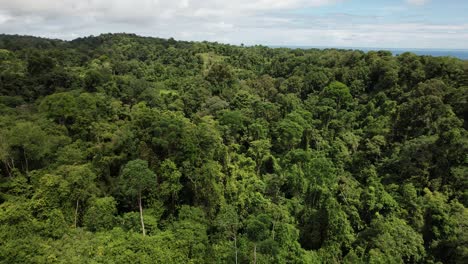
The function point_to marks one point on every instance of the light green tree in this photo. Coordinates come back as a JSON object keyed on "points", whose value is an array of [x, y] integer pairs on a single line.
{"points": [[135, 179]]}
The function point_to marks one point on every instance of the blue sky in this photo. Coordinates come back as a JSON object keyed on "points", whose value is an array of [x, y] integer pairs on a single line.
{"points": [[439, 24], [447, 12]]}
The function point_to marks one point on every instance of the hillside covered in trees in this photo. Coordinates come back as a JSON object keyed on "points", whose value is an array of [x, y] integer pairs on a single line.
{"points": [[126, 149]]}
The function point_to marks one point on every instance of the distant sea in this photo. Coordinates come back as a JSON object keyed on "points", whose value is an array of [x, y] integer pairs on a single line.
{"points": [[457, 53]]}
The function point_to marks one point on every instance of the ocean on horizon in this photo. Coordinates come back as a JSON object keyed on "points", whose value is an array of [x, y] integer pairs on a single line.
{"points": [[457, 53]]}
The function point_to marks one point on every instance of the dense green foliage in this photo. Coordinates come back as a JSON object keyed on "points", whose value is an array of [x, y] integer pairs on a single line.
{"points": [[124, 149]]}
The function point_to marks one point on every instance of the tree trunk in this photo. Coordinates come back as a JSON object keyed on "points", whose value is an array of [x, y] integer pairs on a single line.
{"points": [[141, 215], [258, 165], [235, 245], [76, 211], [273, 230], [7, 168], [12, 166], [255, 253], [26, 161]]}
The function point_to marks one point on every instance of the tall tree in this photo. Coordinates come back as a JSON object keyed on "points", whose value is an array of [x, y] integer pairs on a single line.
{"points": [[136, 179]]}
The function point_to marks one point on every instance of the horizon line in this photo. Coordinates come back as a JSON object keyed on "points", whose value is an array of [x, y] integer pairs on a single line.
{"points": [[297, 46]]}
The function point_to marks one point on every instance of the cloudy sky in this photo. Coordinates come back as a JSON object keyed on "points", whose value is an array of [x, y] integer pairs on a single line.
{"points": [[338, 23]]}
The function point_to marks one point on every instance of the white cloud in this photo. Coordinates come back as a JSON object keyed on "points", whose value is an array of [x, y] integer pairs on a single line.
{"points": [[417, 2], [153, 8], [266, 22], [4, 17]]}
